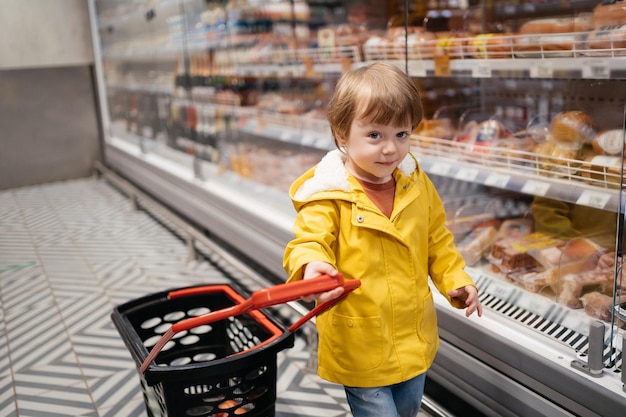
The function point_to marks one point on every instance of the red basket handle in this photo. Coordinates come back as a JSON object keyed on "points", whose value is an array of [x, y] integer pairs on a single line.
{"points": [[266, 297], [348, 287]]}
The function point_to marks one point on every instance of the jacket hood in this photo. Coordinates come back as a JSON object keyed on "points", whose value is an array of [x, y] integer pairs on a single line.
{"points": [[330, 174]]}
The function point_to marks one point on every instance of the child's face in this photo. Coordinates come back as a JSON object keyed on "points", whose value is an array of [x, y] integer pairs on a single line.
{"points": [[374, 151]]}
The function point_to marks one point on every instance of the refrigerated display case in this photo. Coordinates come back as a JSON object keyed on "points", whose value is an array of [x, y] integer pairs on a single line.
{"points": [[214, 107]]}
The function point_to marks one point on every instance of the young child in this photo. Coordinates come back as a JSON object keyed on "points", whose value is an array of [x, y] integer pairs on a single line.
{"points": [[369, 212]]}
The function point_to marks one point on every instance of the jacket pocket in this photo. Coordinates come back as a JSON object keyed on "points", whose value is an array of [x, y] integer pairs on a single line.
{"points": [[428, 325], [357, 342]]}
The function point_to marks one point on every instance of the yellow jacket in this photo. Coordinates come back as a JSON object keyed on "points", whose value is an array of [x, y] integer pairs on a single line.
{"points": [[385, 332]]}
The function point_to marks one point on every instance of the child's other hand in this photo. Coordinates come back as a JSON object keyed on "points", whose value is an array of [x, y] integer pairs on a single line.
{"points": [[315, 269], [469, 295]]}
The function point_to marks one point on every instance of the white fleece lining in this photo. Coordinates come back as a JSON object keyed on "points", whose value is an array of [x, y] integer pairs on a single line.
{"points": [[331, 174]]}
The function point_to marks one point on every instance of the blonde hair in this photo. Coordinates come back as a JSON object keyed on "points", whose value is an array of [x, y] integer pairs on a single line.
{"points": [[379, 93]]}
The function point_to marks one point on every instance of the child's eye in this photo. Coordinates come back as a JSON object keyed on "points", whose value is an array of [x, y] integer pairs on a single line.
{"points": [[402, 135], [374, 135]]}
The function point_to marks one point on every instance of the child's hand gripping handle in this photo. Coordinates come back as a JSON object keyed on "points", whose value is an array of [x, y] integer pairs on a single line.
{"points": [[266, 297], [348, 287]]}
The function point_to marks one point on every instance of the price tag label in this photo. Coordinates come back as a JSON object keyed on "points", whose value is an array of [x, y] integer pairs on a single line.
{"points": [[535, 188], [442, 66], [596, 69], [593, 199], [542, 70], [466, 174], [497, 180], [536, 305], [501, 291], [439, 168], [481, 70]]}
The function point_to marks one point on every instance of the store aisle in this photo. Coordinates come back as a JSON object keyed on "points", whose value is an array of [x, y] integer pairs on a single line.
{"points": [[70, 252]]}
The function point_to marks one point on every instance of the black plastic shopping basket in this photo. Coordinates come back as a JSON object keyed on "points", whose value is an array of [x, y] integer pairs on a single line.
{"points": [[212, 351]]}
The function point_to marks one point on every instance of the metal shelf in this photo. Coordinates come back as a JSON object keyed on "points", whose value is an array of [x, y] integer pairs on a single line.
{"points": [[519, 171]]}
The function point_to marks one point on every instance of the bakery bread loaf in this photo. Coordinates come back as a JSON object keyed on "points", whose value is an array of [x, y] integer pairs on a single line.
{"points": [[609, 14], [572, 127], [548, 25]]}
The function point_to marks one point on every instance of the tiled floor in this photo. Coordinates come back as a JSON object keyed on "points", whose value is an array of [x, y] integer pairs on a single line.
{"points": [[69, 253]]}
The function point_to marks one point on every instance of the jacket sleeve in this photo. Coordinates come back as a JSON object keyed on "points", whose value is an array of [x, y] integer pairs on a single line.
{"points": [[446, 266], [314, 237]]}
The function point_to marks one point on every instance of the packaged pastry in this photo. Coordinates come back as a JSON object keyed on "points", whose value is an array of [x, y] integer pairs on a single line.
{"points": [[572, 127], [573, 250], [556, 261], [572, 286], [558, 158], [537, 280], [603, 170], [600, 306], [483, 137], [548, 25], [609, 14], [609, 142], [552, 34], [552, 45], [515, 148], [607, 41], [515, 228], [465, 224], [511, 254], [478, 243], [441, 128]]}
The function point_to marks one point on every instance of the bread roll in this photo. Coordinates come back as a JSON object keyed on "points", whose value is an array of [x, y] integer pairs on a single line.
{"points": [[572, 127], [609, 14], [609, 142], [556, 158]]}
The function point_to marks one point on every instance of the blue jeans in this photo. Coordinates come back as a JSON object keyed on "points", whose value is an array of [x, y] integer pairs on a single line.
{"points": [[399, 400]]}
